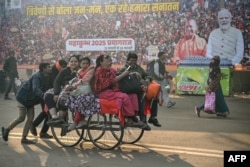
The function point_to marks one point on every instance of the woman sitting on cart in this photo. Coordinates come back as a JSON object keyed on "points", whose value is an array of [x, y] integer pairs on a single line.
{"points": [[52, 98], [84, 104], [106, 86]]}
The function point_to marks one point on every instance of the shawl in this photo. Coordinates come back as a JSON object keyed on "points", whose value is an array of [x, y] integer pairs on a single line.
{"points": [[85, 75], [104, 79], [214, 78]]}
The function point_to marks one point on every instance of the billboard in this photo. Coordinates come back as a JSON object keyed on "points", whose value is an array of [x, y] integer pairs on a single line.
{"points": [[193, 80], [109, 44], [35, 28]]}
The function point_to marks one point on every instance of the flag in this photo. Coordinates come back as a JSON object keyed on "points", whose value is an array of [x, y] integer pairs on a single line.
{"points": [[13, 4], [65, 33], [85, 16]]}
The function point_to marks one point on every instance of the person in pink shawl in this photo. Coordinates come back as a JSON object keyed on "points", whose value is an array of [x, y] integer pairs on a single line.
{"points": [[106, 86], [85, 104]]}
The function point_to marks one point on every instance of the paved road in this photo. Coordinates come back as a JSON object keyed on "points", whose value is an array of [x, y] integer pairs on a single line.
{"points": [[183, 141]]}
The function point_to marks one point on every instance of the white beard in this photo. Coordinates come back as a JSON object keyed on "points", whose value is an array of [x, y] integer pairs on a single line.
{"points": [[225, 26]]}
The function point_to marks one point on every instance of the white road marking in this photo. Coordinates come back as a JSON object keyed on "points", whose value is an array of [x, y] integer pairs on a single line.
{"points": [[178, 149], [154, 147]]}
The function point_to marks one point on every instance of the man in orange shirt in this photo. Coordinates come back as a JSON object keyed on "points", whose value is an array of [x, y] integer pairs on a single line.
{"points": [[191, 44]]}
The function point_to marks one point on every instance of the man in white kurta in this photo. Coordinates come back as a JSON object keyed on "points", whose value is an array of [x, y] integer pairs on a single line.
{"points": [[226, 41]]}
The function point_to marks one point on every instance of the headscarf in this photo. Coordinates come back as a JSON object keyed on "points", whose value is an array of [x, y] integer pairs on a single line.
{"points": [[61, 64], [215, 63]]}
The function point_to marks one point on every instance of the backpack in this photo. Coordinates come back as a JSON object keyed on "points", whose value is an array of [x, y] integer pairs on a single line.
{"points": [[130, 84], [153, 91], [150, 69]]}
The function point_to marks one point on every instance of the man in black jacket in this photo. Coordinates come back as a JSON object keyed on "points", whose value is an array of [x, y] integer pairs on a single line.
{"points": [[10, 68], [160, 77], [138, 70], [60, 64], [29, 95]]}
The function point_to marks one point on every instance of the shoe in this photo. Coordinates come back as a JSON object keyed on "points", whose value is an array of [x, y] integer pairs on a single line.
{"points": [[33, 130], [147, 128], [72, 126], [45, 136], [170, 104], [197, 111], [5, 133], [64, 129], [54, 121], [26, 141], [139, 124], [7, 98], [154, 121], [81, 124]]}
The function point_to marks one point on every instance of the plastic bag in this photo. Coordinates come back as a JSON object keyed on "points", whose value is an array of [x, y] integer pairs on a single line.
{"points": [[81, 89], [209, 102]]}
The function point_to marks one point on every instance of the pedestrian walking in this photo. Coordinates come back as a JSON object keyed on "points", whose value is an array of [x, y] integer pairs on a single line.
{"points": [[159, 75], [10, 69], [213, 85]]}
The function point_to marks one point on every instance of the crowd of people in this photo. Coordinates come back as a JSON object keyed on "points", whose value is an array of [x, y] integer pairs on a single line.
{"points": [[33, 41], [34, 37], [56, 100], [52, 89]]}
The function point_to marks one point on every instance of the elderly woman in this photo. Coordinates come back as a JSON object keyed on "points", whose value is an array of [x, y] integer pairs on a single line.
{"points": [[106, 86], [86, 103]]}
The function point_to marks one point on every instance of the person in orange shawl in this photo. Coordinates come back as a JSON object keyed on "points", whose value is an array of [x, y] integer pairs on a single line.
{"points": [[191, 44], [106, 86]]}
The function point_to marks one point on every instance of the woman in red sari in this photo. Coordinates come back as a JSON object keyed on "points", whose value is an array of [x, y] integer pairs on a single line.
{"points": [[106, 86]]}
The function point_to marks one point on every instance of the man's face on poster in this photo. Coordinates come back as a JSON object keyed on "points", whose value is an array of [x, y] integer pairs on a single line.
{"points": [[224, 20], [190, 28]]}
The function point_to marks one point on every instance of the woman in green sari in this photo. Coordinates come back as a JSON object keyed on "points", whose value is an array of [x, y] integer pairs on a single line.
{"points": [[213, 85]]}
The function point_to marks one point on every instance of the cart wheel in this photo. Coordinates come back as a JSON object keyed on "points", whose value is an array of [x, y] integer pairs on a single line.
{"points": [[132, 135], [104, 133], [69, 139], [85, 136]]}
